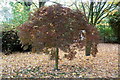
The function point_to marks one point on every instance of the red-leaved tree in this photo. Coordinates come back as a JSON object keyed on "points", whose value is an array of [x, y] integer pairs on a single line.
{"points": [[58, 27]]}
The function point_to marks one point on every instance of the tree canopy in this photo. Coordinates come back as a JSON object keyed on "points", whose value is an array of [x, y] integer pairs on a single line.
{"points": [[59, 27]]}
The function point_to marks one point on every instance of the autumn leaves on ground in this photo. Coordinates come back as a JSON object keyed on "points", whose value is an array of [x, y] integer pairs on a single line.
{"points": [[22, 65]]}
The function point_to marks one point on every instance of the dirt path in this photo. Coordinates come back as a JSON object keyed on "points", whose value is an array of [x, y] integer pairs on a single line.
{"points": [[104, 65]]}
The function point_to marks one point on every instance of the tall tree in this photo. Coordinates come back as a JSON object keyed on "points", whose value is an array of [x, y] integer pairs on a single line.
{"points": [[95, 11]]}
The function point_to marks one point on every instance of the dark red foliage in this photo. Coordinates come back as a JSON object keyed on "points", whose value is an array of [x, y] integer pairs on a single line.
{"points": [[57, 26]]}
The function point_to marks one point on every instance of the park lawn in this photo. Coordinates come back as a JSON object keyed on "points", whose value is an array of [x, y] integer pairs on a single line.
{"points": [[104, 65]]}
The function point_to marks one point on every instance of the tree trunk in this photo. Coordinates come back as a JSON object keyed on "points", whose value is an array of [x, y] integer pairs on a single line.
{"points": [[91, 21], [56, 59], [27, 6], [41, 4], [118, 35]]}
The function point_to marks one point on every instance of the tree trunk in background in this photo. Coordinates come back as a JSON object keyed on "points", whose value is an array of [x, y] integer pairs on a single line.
{"points": [[27, 4], [41, 4], [118, 34], [119, 24], [90, 19]]}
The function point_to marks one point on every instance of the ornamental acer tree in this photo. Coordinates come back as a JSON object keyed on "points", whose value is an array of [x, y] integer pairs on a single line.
{"points": [[58, 27]]}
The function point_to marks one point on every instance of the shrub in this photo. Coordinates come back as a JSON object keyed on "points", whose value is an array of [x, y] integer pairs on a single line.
{"points": [[11, 42]]}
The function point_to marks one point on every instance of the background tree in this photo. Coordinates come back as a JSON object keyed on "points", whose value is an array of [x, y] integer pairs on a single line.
{"points": [[58, 27], [95, 12], [114, 21], [10, 39], [18, 16]]}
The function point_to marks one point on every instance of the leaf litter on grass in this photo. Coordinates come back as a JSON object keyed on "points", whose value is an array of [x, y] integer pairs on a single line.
{"points": [[104, 65]]}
